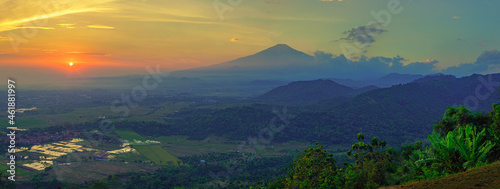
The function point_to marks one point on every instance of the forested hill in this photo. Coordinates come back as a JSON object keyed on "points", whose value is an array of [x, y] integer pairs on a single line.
{"points": [[400, 114], [303, 92], [408, 110]]}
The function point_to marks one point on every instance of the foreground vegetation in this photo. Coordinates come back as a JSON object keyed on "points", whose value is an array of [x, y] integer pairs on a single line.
{"points": [[461, 141], [484, 177]]}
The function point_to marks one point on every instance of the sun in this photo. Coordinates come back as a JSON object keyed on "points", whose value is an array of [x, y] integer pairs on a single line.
{"points": [[71, 64]]}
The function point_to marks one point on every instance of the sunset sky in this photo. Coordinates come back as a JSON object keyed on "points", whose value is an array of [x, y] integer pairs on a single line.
{"points": [[120, 37]]}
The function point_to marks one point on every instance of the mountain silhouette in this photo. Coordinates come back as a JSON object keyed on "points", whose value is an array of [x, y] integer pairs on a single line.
{"points": [[280, 55], [305, 92]]}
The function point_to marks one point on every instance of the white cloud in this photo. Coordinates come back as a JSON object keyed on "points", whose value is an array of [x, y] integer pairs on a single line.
{"points": [[100, 27]]}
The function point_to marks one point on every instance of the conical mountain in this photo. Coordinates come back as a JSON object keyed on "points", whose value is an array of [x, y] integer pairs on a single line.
{"points": [[280, 55]]}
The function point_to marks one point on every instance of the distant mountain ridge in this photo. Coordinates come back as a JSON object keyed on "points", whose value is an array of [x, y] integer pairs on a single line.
{"points": [[436, 77], [383, 82]]}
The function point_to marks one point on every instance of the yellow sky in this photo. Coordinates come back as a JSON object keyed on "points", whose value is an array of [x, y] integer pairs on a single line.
{"points": [[110, 33], [116, 37]]}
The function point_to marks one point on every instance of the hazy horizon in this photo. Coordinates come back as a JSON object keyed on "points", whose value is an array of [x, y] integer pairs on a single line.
{"points": [[115, 38]]}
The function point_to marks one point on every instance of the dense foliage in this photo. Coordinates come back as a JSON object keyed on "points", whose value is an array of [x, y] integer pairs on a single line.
{"points": [[461, 141], [314, 168], [212, 172]]}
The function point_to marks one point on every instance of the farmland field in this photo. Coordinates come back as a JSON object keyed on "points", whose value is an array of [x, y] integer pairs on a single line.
{"points": [[129, 135], [21, 174], [154, 153], [95, 170], [25, 123], [157, 154], [181, 146]]}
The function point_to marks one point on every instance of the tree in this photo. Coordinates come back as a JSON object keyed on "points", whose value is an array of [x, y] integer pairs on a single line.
{"points": [[6, 183], [99, 185], [460, 149], [452, 118], [313, 168], [371, 163], [114, 181]]}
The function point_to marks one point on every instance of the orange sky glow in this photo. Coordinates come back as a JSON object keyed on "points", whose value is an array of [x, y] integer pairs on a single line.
{"points": [[121, 37]]}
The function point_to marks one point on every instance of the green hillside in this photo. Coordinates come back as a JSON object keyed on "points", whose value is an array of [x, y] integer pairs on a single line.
{"points": [[484, 177]]}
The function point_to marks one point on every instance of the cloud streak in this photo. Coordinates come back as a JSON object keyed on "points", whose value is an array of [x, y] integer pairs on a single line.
{"points": [[100, 27], [26, 14], [35, 27], [70, 26], [167, 11], [4, 38], [90, 53]]}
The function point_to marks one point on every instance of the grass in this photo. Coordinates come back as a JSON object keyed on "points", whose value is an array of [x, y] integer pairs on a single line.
{"points": [[129, 135], [483, 177], [82, 114], [157, 154], [154, 153], [182, 146], [21, 174], [129, 157], [24, 123], [89, 114], [94, 170]]}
